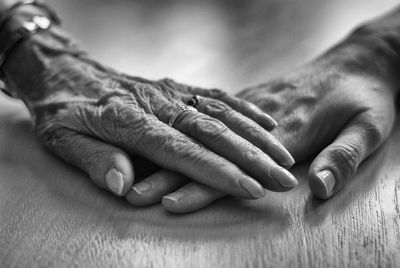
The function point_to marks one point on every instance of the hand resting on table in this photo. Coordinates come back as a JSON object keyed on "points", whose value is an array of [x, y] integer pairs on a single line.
{"points": [[337, 109], [97, 119], [340, 107]]}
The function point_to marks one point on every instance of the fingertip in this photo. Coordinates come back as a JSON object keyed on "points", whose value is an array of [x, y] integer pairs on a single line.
{"points": [[290, 162], [119, 176], [150, 190], [287, 161], [190, 198], [142, 188], [253, 188], [286, 179], [323, 184], [176, 207], [174, 203], [107, 166], [270, 123], [263, 119], [115, 181], [141, 195]]}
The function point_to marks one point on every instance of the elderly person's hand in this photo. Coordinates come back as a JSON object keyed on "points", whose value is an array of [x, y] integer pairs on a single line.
{"points": [[94, 117], [339, 108]]}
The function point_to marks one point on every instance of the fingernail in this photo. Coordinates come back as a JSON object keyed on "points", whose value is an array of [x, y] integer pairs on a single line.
{"points": [[328, 182], [115, 181], [175, 197], [284, 177], [289, 161], [253, 188], [141, 187], [273, 121], [288, 164]]}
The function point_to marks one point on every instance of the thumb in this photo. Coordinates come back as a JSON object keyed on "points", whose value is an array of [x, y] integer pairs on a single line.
{"points": [[340, 160], [108, 166]]}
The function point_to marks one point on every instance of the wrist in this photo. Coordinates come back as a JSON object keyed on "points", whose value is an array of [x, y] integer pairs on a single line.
{"points": [[386, 28], [26, 27], [36, 60], [364, 55]]}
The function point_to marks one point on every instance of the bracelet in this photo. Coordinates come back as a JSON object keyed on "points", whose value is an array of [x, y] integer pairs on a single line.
{"points": [[26, 29], [12, 10]]}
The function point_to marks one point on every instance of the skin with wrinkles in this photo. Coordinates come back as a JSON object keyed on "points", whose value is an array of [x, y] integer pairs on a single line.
{"points": [[340, 107], [105, 122], [337, 110]]}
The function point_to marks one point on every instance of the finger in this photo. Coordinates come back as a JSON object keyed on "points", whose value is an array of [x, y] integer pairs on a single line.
{"points": [[145, 135], [191, 197], [220, 139], [108, 166], [242, 106], [246, 108], [246, 128], [340, 160], [151, 190]]}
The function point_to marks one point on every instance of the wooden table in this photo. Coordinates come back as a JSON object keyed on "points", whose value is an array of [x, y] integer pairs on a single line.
{"points": [[51, 215]]}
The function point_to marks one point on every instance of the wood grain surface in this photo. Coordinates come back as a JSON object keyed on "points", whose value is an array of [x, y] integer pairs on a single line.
{"points": [[51, 215]]}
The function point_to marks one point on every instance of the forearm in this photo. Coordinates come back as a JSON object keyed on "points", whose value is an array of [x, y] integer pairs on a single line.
{"points": [[372, 50], [386, 27], [40, 60]]}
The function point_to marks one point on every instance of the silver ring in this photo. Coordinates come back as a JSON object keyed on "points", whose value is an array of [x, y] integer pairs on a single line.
{"points": [[180, 110]]}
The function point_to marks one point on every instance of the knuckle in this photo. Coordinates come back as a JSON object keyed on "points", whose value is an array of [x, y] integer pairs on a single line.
{"points": [[347, 157], [215, 107], [256, 133], [373, 134], [141, 134], [120, 120], [252, 154], [294, 121], [181, 148], [114, 114], [113, 118], [208, 128], [92, 159]]}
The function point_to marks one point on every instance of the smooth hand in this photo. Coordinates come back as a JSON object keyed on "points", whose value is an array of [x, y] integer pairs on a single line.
{"points": [[336, 115]]}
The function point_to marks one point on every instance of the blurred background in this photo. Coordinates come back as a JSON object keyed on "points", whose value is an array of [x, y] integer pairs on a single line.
{"points": [[229, 44]]}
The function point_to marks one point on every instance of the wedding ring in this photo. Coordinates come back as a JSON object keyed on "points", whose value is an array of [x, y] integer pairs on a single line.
{"points": [[194, 101], [180, 110]]}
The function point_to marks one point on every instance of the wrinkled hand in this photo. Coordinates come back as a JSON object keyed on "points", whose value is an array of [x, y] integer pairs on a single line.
{"points": [[213, 146], [340, 107], [99, 120]]}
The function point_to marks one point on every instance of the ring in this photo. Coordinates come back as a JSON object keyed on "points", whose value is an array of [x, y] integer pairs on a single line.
{"points": [[194, 101], [180, 110]]}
